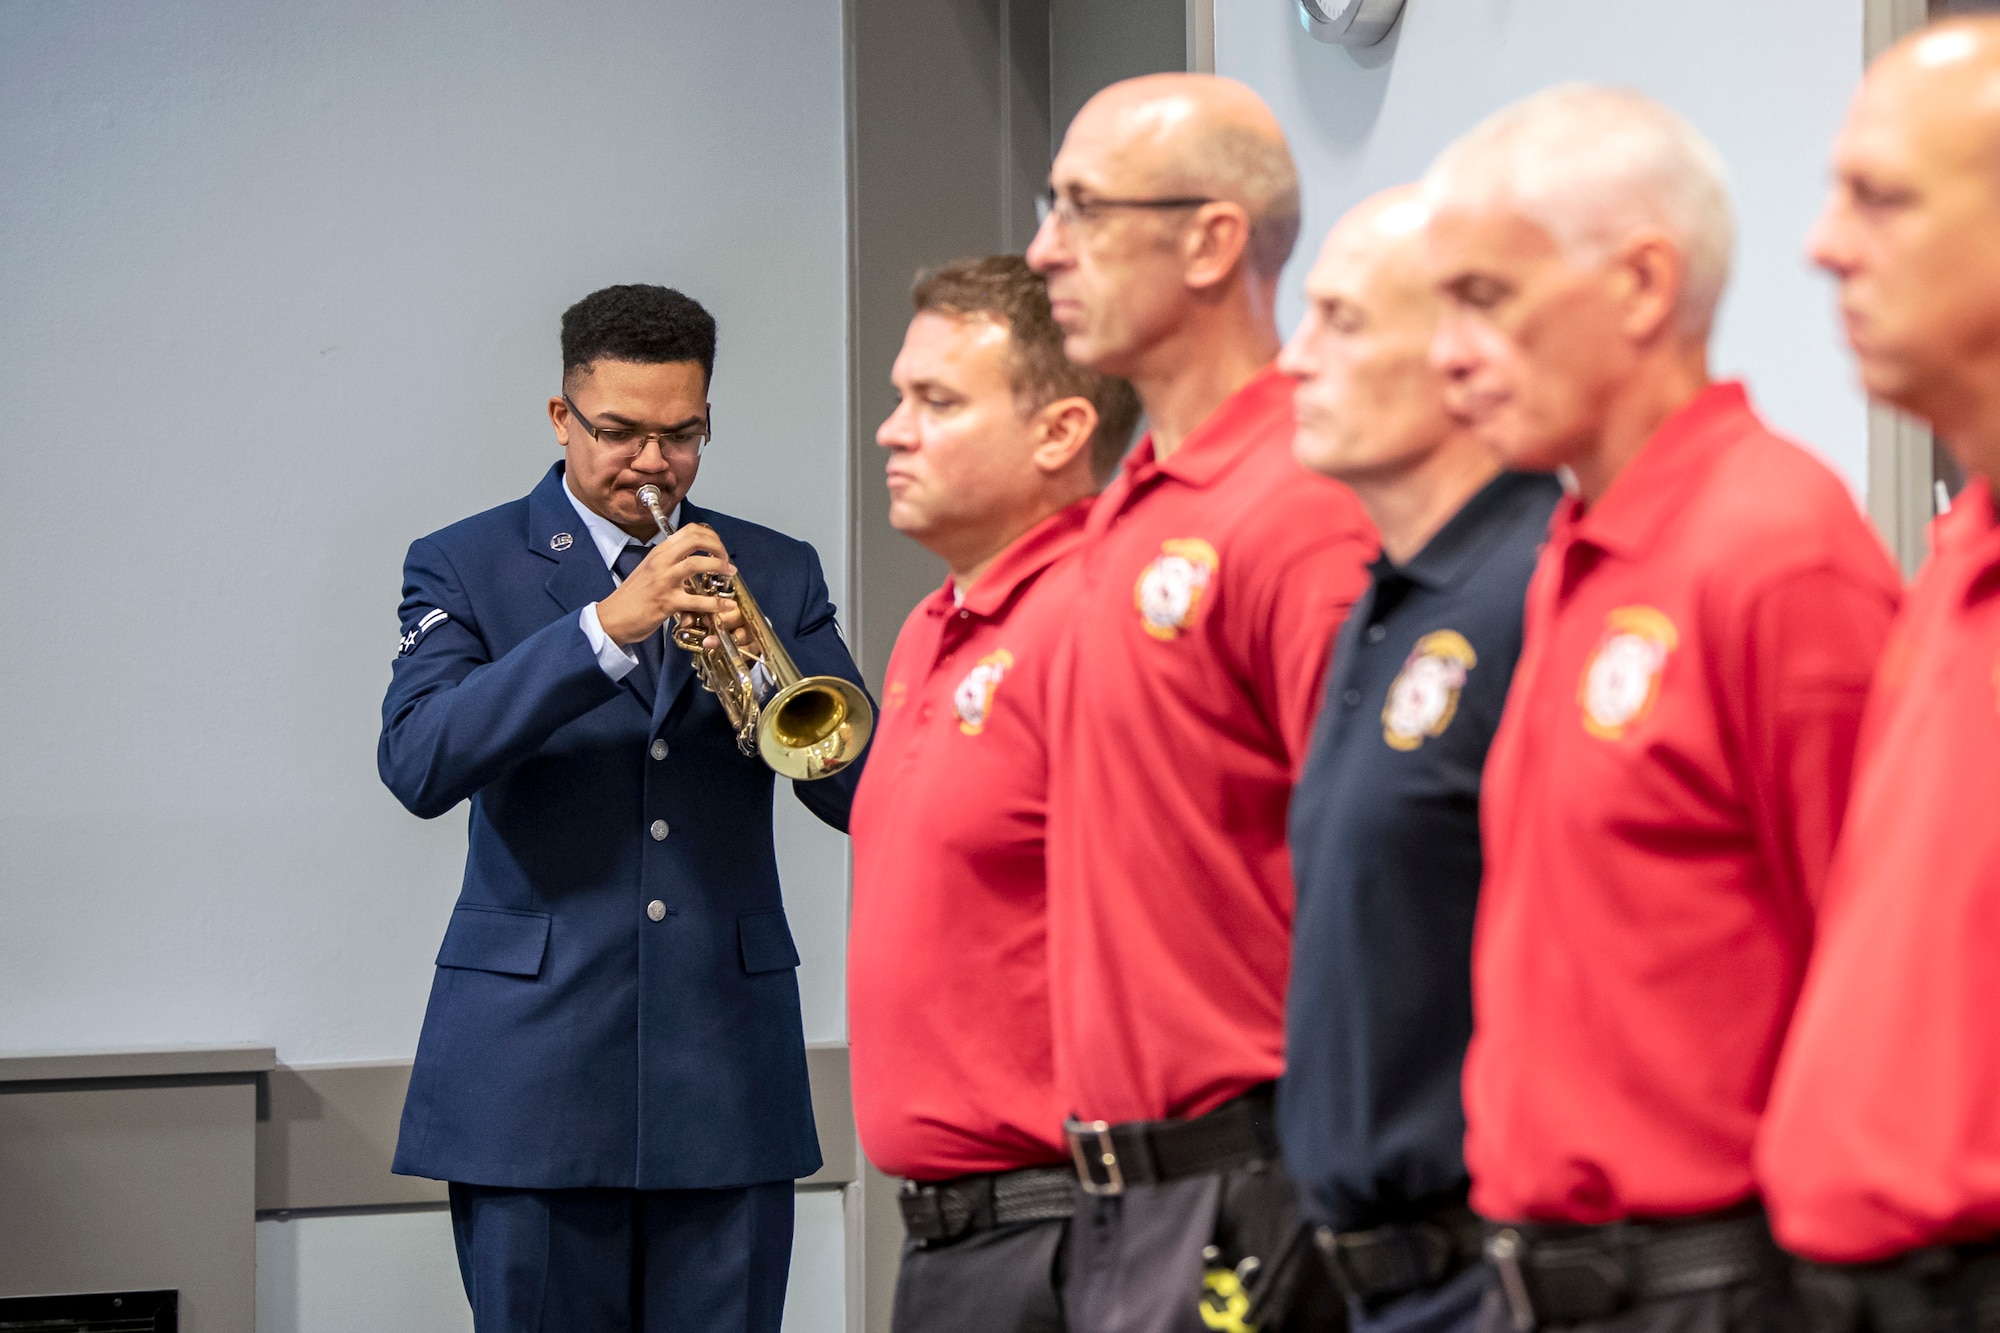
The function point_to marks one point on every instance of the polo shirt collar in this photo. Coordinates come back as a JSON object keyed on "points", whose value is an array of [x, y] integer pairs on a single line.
{"points": [[1462, 544], [1649, 492], [1028, 555], [1970, 532], [1219, 440]]}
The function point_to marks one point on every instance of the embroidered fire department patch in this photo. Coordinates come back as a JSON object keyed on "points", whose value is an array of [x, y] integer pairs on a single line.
{"points": [[973, 699], [1423, 698], [1170, 589], [1622, 678]]}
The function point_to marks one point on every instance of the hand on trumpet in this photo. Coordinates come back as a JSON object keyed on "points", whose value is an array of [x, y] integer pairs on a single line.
{"points": [[731, 619], [658, 589]]}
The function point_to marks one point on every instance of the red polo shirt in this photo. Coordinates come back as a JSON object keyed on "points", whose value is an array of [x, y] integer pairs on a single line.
{"points": [[1212, 584], [1661, 802], [947, 974], [1884, 1128]]}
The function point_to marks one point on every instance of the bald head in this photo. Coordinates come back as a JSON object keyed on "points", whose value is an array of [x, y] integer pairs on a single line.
{"points": [[1908, 231], [1371, 407], [1946, 74], [1200, 136], [1174, 206], [1377, 246]]}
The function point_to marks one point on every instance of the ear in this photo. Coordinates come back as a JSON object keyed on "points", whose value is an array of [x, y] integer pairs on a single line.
{"points": [[559, 418], [1213, 245], [1648, 276], [1062, 434]]}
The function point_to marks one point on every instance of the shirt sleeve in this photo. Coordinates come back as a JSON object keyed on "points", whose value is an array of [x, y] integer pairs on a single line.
{"points": [[616, 659], [1810, 646], [1307, 585]]}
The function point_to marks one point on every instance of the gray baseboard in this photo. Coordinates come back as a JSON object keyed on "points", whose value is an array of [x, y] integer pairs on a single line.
{"points": [[133, 1171], [326, 1134]]}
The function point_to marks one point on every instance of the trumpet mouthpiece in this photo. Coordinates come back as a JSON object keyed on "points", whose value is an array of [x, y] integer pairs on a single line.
{"points": [[649, 496]]}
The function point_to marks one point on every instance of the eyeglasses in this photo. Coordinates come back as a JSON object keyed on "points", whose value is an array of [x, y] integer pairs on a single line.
{"points": [[1070, 209], [629, 442]]}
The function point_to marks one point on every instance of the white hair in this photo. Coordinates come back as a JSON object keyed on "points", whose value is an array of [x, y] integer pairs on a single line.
{"points": [[1592, 165]]}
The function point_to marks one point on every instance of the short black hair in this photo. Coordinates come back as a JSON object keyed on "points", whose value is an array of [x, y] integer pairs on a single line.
{"points": [[637, 322]]}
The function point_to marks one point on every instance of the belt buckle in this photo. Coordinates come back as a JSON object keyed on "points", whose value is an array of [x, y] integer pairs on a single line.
{"points": [[1079, 1132], [1504, 1248]]}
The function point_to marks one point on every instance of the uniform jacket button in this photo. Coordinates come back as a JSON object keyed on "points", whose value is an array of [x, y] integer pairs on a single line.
{"points": [[659, 749], [1352, 699], [659, 830], [1376, 633], [656, 910]]}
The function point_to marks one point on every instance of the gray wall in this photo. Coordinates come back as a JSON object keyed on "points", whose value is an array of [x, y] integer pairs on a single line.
{"points": [[956, 108], [278, 293], [1767, 81], [281, 288], [949, 126], [1097, 42]]}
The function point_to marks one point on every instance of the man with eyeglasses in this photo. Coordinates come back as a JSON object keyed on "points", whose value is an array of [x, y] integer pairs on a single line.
{"points": [[612, 1072], [1214, 573]]}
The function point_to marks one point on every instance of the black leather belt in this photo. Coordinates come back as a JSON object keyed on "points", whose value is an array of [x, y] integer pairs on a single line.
{"points": [[1112, 1158], [1569, 1274], [948, 1209], [1387, 1262], [1940, 1289]]}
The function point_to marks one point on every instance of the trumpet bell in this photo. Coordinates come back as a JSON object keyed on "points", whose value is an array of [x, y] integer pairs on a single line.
{"points": [[814, 728]]}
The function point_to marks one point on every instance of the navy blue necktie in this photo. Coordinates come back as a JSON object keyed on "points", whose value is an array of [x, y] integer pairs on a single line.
{"points": [[651, 650]]}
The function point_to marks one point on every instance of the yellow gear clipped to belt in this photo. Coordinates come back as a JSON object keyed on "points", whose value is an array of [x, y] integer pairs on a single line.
{"points": [[1224, 1300]]}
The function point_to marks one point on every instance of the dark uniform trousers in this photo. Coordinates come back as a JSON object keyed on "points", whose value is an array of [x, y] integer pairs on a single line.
{"points": [[1137, 1259], [1006, 1279], [1936, 1289], [661, 1261], [1452, 1306]]}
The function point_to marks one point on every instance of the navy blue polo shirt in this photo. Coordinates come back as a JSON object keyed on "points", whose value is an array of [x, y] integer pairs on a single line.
{"points": [[1385, 851]]}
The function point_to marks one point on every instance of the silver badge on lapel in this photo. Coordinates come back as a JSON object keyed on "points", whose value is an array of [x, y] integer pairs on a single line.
{"points": [[560, 542]]}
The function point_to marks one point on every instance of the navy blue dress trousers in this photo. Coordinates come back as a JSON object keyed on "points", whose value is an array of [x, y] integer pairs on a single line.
{"points": [[616, 1001]]}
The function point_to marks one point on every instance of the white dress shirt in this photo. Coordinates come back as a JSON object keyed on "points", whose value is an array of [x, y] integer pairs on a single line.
{"points": [[611, 541]]}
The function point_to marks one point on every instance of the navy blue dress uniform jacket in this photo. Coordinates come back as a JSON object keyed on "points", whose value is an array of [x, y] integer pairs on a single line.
{"points": [[571, 1040]]}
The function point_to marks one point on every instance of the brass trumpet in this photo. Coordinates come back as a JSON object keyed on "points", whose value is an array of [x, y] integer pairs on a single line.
{"points": [[810, 726]]}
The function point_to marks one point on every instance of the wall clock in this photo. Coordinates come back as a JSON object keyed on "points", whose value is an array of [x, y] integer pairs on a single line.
{"points": [[1349, 22]]}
